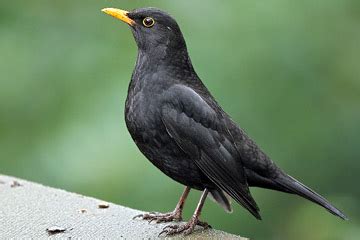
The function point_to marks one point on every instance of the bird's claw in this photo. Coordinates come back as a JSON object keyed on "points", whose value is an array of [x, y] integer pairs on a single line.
{"points": [[205, 225], [159, 217], [186, 228], [170, 227], [137, 216], [151, 220]]}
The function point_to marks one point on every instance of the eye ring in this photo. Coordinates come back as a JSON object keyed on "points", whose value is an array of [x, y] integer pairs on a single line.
{"points": [[148, 22]]}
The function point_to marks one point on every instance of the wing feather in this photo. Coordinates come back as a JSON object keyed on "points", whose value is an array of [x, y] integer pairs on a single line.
{"points": [[200, 131]]}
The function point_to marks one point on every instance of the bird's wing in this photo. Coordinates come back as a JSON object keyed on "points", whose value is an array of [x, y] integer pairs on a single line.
{"points": [[200, 131]]}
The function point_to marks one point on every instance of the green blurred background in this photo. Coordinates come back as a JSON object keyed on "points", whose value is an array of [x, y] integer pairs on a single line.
{"points": [[288, 72]]}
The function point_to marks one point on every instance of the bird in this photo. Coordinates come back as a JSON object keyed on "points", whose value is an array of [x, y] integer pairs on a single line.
{"points": [[179, 126]]}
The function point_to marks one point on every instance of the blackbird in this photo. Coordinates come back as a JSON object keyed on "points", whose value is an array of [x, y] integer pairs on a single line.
{"points": [[178, 125]]}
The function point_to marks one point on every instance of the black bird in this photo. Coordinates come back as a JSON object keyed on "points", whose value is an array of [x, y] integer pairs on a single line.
{"points": [[178, 125]]}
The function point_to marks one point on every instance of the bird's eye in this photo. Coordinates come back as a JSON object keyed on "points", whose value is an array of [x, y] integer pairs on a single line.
{"points": [[148, 22]]}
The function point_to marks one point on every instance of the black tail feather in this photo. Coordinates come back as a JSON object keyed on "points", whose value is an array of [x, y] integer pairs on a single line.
{"points": [[294, 186], [220, 197]]}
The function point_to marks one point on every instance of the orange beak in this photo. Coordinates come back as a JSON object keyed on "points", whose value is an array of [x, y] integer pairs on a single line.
{"points": [[119, 14]]}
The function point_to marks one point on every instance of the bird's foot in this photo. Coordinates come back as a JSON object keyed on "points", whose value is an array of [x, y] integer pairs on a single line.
{"points": [[160, 217], [186, 228]]}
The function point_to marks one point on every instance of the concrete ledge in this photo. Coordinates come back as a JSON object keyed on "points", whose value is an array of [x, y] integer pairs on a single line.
{"points": [[30, 210]]}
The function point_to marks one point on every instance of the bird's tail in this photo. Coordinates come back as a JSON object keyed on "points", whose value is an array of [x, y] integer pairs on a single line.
{"points": [[292, 185]]}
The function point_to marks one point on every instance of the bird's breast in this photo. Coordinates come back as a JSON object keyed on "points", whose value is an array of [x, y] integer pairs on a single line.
{"points": [[142, 114], [143, 120]]}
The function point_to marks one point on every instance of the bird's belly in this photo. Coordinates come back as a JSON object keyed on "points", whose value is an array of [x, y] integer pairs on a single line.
{"points": [[156, 144], [172, 161]]}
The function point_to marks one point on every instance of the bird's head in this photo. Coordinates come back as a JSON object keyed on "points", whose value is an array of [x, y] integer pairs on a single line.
{"points": [[152, 28]]}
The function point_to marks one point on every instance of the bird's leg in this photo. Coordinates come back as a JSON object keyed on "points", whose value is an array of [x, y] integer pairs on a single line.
{"points": [[188, 227], [170, 216]]}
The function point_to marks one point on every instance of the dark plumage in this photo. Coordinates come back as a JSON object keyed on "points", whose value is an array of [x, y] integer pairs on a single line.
{"points": [[182, 130]]}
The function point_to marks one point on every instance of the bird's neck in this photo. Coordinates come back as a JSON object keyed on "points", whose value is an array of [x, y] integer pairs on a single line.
{"points": [[170, 61], [159, 69]]}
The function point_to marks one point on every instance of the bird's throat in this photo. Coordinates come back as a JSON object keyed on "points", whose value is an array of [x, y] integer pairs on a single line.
{"points": [[166, 60]]}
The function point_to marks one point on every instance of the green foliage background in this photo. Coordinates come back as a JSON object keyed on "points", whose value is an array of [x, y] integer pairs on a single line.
{"points": [[287, 71]]}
